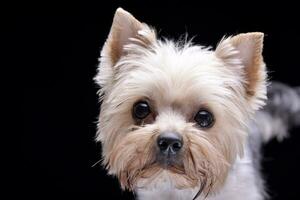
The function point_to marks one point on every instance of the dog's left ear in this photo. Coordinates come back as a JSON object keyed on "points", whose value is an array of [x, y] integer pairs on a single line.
{"points": [[243, 54]]}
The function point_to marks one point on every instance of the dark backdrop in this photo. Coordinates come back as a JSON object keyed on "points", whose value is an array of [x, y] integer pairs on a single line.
{"points": [[58, 46]]}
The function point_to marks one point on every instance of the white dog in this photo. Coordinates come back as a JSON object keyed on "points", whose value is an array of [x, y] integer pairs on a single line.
{"points": [[176, 119]]}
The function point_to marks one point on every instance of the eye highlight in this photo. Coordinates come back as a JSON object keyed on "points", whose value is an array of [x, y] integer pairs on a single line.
{"points": [[204, 118], [141, 110]]}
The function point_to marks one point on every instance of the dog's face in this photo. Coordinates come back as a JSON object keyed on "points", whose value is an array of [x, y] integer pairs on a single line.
{"points": [[175, 109]]}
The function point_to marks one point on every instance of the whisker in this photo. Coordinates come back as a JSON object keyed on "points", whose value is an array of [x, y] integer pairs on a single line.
{"points": [[96, 163], [202, 186]]}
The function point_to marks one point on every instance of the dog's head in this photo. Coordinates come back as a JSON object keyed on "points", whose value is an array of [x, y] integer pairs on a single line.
{"points": [[175, 108]]}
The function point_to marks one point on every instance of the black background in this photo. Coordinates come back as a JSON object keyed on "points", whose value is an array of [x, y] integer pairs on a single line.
{"points": [[58, 46]]}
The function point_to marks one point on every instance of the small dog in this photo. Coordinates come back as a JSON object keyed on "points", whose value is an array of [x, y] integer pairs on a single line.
{"points": [[176, 119]]}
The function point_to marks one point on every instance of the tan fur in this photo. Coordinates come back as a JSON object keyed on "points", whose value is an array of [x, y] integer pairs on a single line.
{"points": [[252, 67], [246, 50]]}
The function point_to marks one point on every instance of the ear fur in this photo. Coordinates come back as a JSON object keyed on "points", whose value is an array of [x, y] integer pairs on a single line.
{"points": [[245, 50], [125, 30]]}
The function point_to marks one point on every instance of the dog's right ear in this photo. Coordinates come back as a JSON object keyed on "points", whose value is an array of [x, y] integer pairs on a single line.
{"points": [[125, 30]]}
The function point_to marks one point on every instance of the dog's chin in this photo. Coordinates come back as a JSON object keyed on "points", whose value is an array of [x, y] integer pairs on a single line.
{"points": [[168, 174], [166, 171]]}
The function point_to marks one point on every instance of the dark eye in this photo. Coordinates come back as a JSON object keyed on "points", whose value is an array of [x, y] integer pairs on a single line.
{"points": [[204, 119], [141, 110]]}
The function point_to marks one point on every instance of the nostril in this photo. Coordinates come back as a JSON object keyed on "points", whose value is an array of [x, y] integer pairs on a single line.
{"points": [[163, 144], [176, 146]]}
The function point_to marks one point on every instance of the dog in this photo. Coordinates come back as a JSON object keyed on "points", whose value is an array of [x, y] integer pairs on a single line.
{"points": [[183, 121]]}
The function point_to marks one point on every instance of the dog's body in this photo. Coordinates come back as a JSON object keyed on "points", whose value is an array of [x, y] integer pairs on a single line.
{"points": [[180, 121]]}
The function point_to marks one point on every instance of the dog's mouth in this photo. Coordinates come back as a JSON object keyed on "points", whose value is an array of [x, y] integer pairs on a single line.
{"points": [[170, 161]]}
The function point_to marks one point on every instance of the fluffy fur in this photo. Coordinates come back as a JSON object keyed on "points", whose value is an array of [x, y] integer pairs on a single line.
{"points": [[177, 80]]}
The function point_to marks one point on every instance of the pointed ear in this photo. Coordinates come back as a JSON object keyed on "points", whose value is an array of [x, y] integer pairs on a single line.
{"points": [[244, 52], [126, 35], [125, 29]]}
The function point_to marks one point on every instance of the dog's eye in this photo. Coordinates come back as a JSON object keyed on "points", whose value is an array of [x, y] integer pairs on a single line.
{"points": [[141, 110], [204, 119]]}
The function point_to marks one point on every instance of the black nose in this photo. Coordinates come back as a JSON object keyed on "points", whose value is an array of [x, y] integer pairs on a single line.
{"points": [[169, 142]]}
